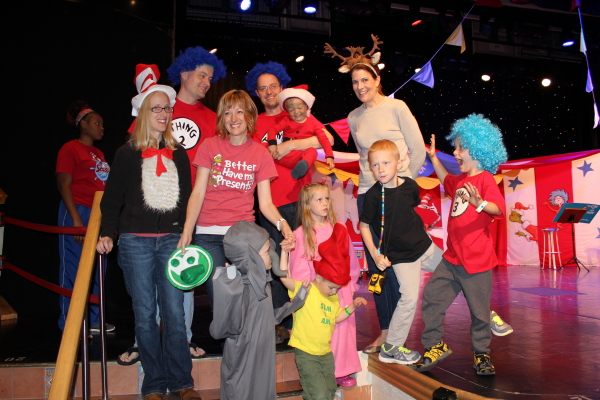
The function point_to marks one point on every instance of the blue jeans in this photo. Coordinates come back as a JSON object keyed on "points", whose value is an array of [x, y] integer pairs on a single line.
{"points": [[143, 261], [213, 244], [70, 253], [385, 303]]}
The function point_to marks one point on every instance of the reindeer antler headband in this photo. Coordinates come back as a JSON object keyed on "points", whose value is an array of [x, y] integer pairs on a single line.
{"points": [[357, 56]]}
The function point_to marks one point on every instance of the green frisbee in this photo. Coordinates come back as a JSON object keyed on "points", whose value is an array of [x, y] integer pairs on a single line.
{"points": [[186, 271]]}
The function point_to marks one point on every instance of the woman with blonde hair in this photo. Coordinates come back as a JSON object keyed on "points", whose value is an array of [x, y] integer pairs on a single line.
{"points": [[231, 167], [145, 200]]}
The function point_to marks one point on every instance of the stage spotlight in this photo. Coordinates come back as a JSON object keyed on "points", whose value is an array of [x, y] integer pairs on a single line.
{"points": [[417, 70], [213, 51], [381, 66], [310, 6], [300, 59], [568, 40], [546, 82], [485, 77], [415, 15], [245, 5]]}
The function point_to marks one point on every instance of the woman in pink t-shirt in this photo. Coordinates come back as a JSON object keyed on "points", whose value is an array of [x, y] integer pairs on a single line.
{"points": [[80, 171], [230, 168]]}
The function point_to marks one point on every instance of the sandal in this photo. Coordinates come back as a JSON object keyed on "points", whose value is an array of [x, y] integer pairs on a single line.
{"points": [[133, 360], [194, 346], [370, 349]]}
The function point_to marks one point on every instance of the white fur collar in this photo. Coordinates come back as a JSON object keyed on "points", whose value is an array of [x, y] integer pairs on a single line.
{"points": [[161, 193]]}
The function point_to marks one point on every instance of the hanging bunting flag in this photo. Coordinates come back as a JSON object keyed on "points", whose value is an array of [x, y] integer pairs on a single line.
{"points": [[582, 46], [589, 86], [457, 39], [425, 76], [341, 128], [575, 4], [595, 116]]}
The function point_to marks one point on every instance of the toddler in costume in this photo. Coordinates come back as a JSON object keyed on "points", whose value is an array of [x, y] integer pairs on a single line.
{"points": [[244, 316], [316, 321], [299, 124], [468, 262], [316, 224], [404, 245]]}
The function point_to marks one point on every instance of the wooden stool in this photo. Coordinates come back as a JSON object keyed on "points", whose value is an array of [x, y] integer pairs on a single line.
{"points": [[553, 251]]}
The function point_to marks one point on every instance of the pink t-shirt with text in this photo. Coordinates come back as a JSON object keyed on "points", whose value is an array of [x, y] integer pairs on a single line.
{"points": [[234, 173]]}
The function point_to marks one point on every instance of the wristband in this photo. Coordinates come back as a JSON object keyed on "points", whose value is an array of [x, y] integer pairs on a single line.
{"points": [[347, 312], [481, 206], [279, 224]]}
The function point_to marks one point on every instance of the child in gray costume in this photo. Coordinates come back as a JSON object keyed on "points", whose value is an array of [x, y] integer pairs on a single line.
{"points": [[244, 316]]}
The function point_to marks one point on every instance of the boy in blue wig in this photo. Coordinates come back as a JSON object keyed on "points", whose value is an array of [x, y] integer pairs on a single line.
{"points": [[468, 262]]}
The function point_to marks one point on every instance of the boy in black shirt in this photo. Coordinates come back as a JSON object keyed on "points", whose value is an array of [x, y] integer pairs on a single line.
{"points": [[404, 244]]}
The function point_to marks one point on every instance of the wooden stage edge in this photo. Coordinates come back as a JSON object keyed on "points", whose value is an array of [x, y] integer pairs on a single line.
{"points": [[413, 383]]}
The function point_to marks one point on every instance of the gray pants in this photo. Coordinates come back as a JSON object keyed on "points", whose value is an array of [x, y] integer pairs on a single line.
{"points": [[439, 293], [409, 280]]}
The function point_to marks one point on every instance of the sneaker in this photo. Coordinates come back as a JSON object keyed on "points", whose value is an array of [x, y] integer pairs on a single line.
{"points": [[399, 355], [483, 365], [498, 326], [300, 169], [433, 356], [95, 328]]}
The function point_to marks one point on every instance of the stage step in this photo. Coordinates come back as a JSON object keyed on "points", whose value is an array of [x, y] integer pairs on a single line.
{"points": [[32, 381]]}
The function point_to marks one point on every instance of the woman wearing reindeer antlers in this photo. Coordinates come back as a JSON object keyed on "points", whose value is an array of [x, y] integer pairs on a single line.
{"points": [[379, 117]]}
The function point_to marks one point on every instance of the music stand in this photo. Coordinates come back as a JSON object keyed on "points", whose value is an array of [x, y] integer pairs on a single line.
{"points": [[573, 216]]}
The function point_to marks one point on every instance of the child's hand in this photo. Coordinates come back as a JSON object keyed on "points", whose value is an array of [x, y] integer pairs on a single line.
{"points": [[330, 163], [474, 196], [431, 150], [273, 150], [382, 262], [358, 302]]}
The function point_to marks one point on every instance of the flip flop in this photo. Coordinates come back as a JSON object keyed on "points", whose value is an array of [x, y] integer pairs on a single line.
{"points": [[134, 360], [370, 349], [195, 346]]}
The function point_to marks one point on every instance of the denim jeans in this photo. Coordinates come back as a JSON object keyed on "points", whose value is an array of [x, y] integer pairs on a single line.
{"points": [[70, 253], [385, 303], [143, 260], [213, 244]]}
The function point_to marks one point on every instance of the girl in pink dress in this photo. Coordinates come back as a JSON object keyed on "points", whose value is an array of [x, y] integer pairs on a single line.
{"points": [[315, 222]]}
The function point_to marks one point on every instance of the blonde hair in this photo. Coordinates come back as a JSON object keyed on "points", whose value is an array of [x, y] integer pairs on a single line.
{"points": [[383, 145], [236, 98], [141, 138], [304, 217]]}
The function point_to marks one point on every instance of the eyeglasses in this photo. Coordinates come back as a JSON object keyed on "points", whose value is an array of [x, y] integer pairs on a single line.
{"points": [[272, 86], [157, 109]]}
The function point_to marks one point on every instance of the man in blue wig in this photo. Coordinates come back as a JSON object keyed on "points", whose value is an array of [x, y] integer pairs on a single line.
{"points": [[267, 81]]}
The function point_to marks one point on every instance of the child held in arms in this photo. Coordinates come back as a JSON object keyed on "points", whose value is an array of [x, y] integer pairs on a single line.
{"points": [[468, 262], [299, 124]]}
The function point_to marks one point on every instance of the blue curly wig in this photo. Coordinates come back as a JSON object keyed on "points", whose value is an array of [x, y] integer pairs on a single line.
{"points": [[482, 138], [190, 59], [271, 67]]}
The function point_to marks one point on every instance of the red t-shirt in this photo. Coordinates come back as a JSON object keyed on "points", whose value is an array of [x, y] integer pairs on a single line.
{"points": [[307, 129], [88, 168], [191, 125], [234, 173], [470, 243], [284, 188]]}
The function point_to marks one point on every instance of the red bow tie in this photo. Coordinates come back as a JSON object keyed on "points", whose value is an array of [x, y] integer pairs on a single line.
{"points": [[151, 152]]}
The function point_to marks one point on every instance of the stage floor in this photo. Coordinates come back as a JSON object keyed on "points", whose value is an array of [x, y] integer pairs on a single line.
{"points": [[552, 354]]}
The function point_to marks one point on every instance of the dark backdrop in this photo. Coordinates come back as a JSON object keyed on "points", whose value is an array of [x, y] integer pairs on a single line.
{"points": [[63, 51]]}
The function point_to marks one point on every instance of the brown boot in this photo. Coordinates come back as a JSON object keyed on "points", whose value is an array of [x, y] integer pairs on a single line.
{"points": [[154, 396], [188, 394]]}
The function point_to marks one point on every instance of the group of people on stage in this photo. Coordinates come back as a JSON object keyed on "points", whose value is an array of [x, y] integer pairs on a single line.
{"points": [[189, 176]]}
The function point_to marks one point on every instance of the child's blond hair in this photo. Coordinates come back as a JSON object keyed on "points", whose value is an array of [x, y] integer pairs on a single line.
{"points": [[305, 219]]}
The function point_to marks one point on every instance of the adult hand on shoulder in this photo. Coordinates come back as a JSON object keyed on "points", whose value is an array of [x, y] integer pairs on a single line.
{"points": [[105, 245]]}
